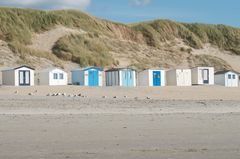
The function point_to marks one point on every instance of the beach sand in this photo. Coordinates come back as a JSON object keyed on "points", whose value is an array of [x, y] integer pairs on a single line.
{"points": [[163, 93], [169, 125]]}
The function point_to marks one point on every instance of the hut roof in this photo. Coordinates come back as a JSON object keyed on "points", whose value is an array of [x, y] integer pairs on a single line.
{"points": [[15, 68], [225, 71], [119, 69], [89, 68]]}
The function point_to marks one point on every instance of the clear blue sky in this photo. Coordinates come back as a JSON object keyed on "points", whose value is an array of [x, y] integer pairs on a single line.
{"points": [[205, 11], [130, 11]]}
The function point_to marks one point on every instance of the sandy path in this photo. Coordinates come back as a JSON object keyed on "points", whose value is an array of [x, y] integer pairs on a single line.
{"points": [[45, 41]]}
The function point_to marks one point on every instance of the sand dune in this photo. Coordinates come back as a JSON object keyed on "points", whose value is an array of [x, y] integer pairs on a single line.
{"points": [[45, 41]]}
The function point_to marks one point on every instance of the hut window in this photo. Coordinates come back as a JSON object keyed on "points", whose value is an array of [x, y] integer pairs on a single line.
{"points": [[233, 76], [229, 76], [61, 76], [55, 76]]}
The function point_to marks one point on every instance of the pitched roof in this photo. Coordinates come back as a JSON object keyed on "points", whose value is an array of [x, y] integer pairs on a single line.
{"points": [[225, 71], [15, 68], [50, 69], [23, 66]]}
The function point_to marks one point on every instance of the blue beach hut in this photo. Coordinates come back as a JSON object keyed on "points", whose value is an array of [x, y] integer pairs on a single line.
{"points": [[90, 76]]}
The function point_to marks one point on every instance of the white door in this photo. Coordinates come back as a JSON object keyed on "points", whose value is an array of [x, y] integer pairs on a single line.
{"points": [[180, 78], [183, 79], [186, 79], [229, 80], [234, 81]]}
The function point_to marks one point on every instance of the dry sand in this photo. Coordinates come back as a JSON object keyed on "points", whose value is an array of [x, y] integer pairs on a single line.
{"points": [[164, 127], [163, 93]]}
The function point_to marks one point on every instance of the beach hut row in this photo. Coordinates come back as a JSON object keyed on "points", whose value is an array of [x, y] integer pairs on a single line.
{"points": [[126, 77]]}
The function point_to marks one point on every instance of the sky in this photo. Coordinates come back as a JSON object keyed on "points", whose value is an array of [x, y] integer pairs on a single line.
{"points": [[131, 11]]}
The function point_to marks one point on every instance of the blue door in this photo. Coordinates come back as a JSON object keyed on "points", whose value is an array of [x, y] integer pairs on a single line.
{"points": [[93, 79], [127, 78], [156, 78]]}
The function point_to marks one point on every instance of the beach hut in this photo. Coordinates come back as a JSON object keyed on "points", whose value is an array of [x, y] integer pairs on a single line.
{"points": [[203, 76], [18, 76], [238, 79], [125, 77], [179, 77], [51, 77], [152, 78], [90, 76], [227, 78], [0, 77]]}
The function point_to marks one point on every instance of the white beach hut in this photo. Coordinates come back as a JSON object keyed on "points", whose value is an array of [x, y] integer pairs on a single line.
{"points": [[179, 77], [0, 77], [227, 78], [51, 77], [203, 76], [90, 76], [238, 79], [18, 76], [152, 78], [125, 77]]}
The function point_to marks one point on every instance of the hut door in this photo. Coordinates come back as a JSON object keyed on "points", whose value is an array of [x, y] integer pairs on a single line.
{"points": [[185, 78], [156, 78], [231, 80], [124, 78], [93, 78], [127, 78], [205, 76], [24, 78], [180, 78]]}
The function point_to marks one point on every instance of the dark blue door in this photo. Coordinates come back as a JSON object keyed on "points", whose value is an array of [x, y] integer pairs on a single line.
{"points": [[156, 78], [93, 79]]}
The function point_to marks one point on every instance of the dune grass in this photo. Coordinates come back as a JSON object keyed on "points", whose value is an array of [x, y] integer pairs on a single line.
{"points": [[85, 50], [18, 25], [26, 52], [194, 35]]}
